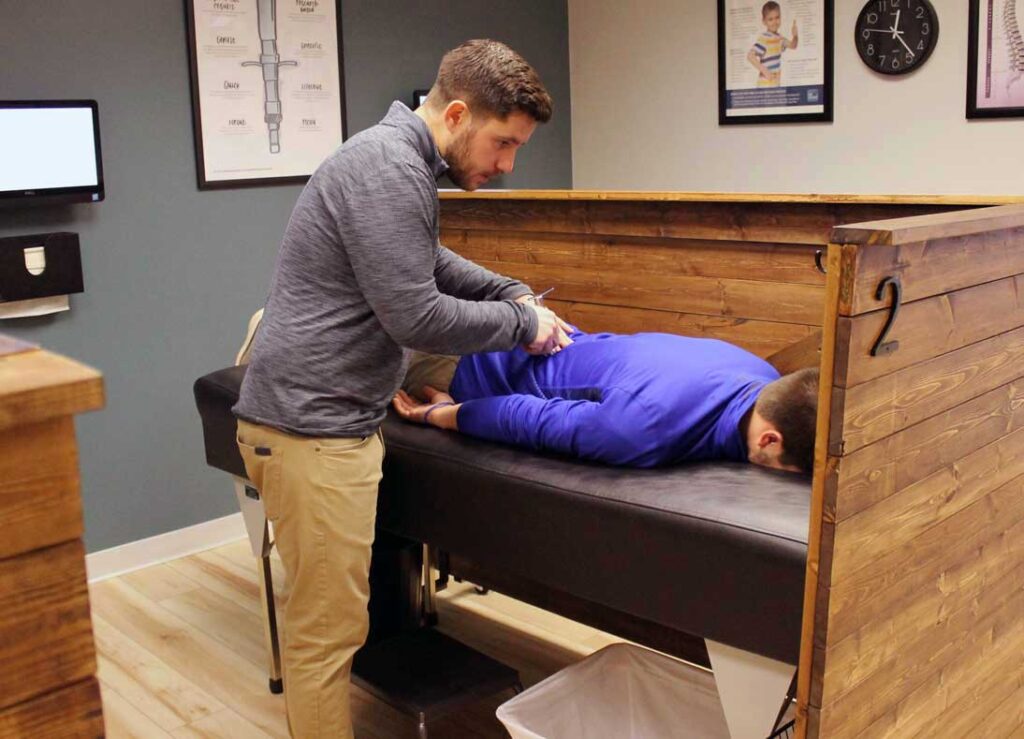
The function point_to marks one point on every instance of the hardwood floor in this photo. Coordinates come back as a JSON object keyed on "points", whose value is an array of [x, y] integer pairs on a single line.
{"points": [[181, 653]]}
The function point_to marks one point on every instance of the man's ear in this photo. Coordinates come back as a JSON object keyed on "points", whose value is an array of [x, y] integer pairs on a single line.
{"points": [[456, 114], [770, 437]]}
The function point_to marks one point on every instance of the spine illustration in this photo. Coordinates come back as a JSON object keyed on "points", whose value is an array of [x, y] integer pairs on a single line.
{"points": [[1014, 42], [271, 63]]}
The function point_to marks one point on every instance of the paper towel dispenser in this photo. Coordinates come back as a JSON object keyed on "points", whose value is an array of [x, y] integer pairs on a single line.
{"points": [[40, 266]]}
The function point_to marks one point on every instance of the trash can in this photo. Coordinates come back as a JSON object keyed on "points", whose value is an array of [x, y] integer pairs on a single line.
{"points": [[619, 692]]}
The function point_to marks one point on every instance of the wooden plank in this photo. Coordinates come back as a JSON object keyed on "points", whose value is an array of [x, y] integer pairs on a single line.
{"points": [[927, 268], [892, 644], [673, 196], [875, 532], [971, 700], [928, 328], [39, 385], [732, 197], [766, 301], [125, 721], [212, 667], [39, 500], [72, 711], [798, 355], [906, 230], [45, 631], [876, 700], [760, 337], [886, 405], [689, 257], [875, 472], [795, 223], [165, 696], [809, 674], [961, 547]]}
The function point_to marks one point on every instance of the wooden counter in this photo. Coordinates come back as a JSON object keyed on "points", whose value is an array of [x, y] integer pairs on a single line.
{"points": [[47, 684]]}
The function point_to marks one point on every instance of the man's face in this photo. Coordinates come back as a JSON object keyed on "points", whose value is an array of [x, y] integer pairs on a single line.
{"points": [[487, 148], [772, 20]]}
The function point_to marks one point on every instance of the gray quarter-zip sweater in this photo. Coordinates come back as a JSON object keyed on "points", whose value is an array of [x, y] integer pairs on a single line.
{"points": [[360, 275]]}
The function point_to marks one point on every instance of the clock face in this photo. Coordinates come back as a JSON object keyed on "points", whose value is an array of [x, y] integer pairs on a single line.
{"points": [[896, 36]]}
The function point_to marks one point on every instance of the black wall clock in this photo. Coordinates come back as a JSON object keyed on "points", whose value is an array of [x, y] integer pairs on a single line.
{"points": [[896, 36]]}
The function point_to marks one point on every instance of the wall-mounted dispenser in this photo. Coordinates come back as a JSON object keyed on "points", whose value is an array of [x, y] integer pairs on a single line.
{"points": [[38, 272]]}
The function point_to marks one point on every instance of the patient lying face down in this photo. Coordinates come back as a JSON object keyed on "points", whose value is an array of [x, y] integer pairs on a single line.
{"points": [[641, 400]]}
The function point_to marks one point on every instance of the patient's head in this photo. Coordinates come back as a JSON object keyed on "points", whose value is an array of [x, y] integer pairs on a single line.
{"points": [[780, 433]]}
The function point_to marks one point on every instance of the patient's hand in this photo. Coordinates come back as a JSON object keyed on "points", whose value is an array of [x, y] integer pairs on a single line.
{"points": [[440, 411]]}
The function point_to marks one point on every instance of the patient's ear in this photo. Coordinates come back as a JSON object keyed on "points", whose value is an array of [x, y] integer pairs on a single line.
{"points": [[769, 437]]}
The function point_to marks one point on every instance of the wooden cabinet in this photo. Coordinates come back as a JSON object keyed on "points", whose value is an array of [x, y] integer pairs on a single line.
{"points": [[47, 653]]}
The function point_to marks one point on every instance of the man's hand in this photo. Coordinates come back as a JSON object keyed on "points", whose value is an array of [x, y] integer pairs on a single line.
{"points": [[544, 342], [431, 412]]}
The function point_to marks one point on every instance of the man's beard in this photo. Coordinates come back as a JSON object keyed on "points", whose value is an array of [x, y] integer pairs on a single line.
{"points": [[457, 157]]}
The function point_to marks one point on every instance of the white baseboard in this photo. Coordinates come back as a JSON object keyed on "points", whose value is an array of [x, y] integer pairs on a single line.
{"points": [[164, 547]]}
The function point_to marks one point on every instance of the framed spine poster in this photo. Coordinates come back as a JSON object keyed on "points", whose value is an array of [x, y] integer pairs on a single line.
{"points": [[268, 100], [774, 61], [995, 60]]}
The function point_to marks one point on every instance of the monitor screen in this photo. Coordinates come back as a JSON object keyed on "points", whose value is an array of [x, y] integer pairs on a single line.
{"points": [[50, 148], [418, 98]]}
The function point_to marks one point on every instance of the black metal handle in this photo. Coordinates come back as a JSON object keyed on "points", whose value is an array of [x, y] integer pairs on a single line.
{"points": [[883, 347], [817, 262]]}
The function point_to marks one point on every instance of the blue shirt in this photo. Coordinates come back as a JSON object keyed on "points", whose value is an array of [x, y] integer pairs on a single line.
{"points": [[628, 399]]}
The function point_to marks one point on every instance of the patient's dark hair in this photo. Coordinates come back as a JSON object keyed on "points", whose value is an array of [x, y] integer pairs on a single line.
{"points": [[490, 78], [790, 404]]}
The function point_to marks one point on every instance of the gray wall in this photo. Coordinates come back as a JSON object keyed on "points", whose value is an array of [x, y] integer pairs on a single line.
{"points": [[171, 273]]}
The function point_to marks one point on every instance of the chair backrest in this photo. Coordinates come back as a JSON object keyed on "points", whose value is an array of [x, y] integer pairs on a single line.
{"points": [[243, 351]]}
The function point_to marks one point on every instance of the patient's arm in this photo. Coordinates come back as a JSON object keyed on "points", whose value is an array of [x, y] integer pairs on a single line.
{"points": [[613, 430], [440, 410]]}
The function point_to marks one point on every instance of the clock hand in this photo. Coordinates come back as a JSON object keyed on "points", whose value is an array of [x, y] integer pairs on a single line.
{"points": [[909, 50], [896, 25]]}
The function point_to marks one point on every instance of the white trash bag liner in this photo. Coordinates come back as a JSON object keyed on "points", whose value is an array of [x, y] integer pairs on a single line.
{"points": [[619, 692]]}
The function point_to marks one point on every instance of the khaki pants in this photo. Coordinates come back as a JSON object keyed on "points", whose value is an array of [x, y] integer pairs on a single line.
{"points": [[321, 495]]}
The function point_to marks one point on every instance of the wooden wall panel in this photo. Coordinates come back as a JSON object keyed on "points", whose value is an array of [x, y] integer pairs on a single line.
{"points": [[928, 328], [876, 409], [917, 621], [765, 301], [928, 268], [73, 711], [45, 627], [763, 338], [744, 260], [793, 223], [39, 499]]}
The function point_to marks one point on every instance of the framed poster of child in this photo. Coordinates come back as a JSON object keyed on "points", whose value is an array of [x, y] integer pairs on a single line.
{"points": [[774, 61]]}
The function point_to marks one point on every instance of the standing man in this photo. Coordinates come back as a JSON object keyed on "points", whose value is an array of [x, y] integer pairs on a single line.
{"points": [[359, 276]]}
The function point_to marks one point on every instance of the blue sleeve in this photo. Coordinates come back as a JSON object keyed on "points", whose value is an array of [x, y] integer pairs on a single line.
{"points": [[613, 430]]}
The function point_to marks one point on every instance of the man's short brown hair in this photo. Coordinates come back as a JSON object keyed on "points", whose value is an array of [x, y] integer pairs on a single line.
{"points": [[491, 79], [790, 404]]}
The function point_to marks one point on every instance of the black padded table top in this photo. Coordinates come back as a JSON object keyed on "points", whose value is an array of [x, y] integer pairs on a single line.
{"points": [[716, 550]]}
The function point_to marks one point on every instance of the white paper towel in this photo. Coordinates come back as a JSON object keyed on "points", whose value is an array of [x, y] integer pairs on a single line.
{"points": [[34, 307]]}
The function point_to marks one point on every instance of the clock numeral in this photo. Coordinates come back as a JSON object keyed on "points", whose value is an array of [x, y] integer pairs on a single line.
{"points": [[884, 57], [870, 50], [865, 34], [920, 45], [925, 29], [872, 18], [895, 62], [908, 58], [920, 11]]}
